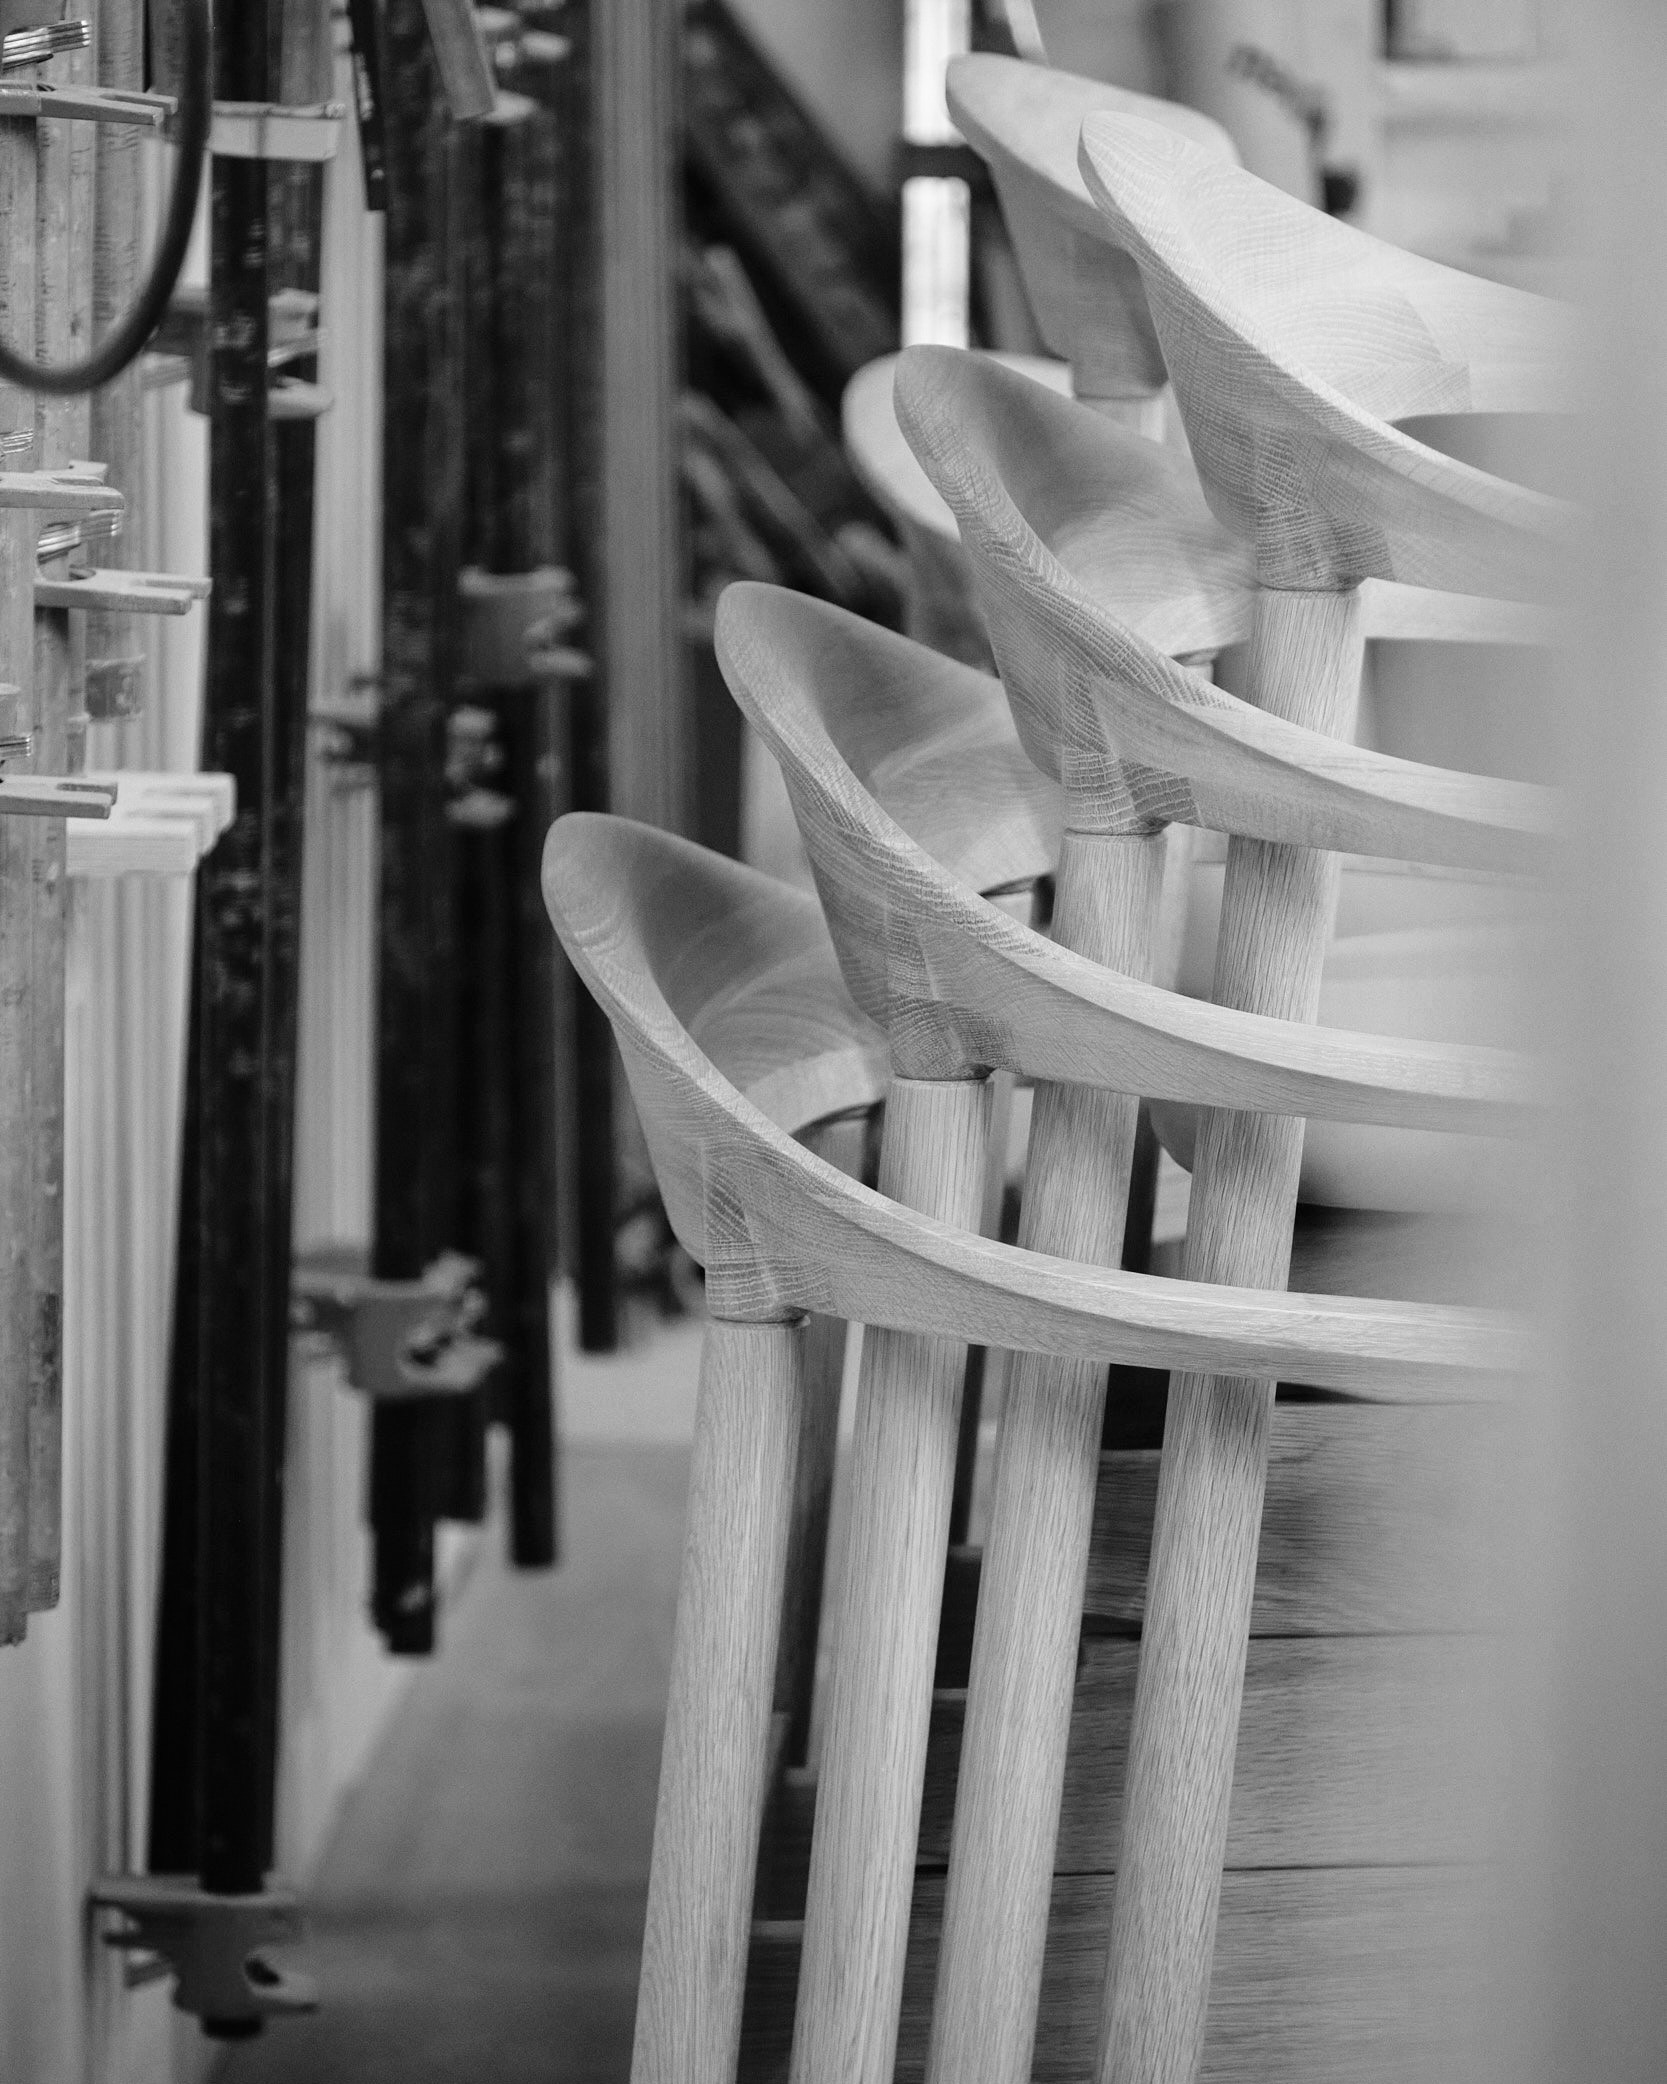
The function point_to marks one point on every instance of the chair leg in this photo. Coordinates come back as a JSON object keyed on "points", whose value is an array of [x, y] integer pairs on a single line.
{"points": [[874, 1754], [1277, 909], [841, 1144], [714, 1762], [1035, 1565]]}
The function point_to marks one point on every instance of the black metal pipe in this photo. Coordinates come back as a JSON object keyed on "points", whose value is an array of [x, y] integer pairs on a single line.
{"points": [[234, 1333]]}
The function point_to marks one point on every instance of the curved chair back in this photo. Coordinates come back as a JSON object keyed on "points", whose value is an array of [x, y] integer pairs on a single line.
{"points": [[1024, 120], [1097, 700], [657, 928], [961, 987], [1295, 342], [939, 609]]}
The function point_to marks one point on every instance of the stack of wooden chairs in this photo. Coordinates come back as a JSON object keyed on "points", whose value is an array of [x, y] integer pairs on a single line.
{"points": [[1184, 1771]]}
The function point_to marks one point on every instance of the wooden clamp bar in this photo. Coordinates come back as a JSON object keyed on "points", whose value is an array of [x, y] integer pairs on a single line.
{"points": [[162, 824]]}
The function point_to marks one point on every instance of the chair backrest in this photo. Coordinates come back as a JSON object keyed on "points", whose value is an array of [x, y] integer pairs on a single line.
{"points": [[646, 917], [884, 463], [1295, 342], [961, 986], [1024, 120], [1103, 707]]}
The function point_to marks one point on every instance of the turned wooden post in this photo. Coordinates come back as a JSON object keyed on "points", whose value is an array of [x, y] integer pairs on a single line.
{"points": [[1276, 919]]}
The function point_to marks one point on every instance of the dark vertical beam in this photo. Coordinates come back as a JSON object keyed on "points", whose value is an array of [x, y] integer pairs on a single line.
{"points": [[297, 203], [233, 1333], [215, 1732], [506, 969], [422, 481], [417, 1447]]}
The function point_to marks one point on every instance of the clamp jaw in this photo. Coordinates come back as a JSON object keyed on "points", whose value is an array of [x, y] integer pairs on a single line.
{"points": [[213, 1946]]}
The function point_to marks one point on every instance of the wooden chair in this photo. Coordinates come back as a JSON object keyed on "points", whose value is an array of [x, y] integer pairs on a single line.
{"points": [[938, 608], [1289, 419], [1024, 120], [789, 1037], [655, 927], [961, 987]]}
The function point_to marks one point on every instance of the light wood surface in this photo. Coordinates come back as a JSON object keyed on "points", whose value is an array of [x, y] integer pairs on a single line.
{"points": [[1375, 1523], [1294, 342], [713, 1759], [882, 458], [1098, 702], [1024, 1650], [1024, 120], [1277, 907], [778, 1229], [841, 1143], [1312, 1987], [1353, 1751], [644, 915], [961, 985], [902, 1479]]}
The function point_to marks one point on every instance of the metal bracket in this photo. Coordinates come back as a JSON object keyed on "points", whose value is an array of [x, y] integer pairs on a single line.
{"points": [[48, 795], [121, 592], [399, 1338], [90, 105], [72, 488], [212, 1944], [347, 731], [179, 350], [270, 130], [513, 624]]}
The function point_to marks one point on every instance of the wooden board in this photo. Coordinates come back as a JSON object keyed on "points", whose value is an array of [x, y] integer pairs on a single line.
{"points": [[1353, 1751], [1376, 1521], [1329, 1976]]}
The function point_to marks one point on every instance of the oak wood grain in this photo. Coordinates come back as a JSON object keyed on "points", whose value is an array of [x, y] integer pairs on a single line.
{"points": [[902, 1478], [778, 1230], [714, 1756], [1045, 506], [1294, 342], [958, 984], [1277, 907], [1036, 1554], [1315, 1967], [1024, 119]]}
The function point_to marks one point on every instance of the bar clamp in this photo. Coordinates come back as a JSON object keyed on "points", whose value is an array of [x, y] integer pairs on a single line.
{"points": [[213, 1945], [399, 1339]]}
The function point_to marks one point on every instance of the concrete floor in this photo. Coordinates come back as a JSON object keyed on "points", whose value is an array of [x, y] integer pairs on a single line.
{"points": [[479, 1912]]}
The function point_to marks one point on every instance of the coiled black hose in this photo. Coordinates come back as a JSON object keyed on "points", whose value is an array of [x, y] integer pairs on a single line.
{"points": [[124, 341]]}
